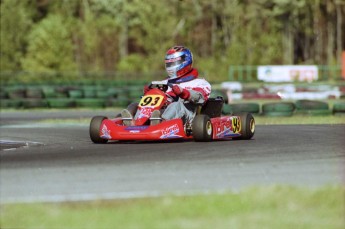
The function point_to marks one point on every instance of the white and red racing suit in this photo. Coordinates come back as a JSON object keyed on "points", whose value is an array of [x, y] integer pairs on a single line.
{"points": [[199, 90]]}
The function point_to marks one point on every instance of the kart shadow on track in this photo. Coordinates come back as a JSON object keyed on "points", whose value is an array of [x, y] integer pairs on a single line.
{"points": [[149, 141]]}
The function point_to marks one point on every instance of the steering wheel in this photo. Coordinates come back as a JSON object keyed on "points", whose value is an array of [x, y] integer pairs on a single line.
{"points": [[162, 87]]}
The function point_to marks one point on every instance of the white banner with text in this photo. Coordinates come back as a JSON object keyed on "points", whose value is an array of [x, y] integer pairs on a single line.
{"points": [[288, 73]]}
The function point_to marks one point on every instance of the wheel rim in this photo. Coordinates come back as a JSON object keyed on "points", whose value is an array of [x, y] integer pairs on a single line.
{"points": [[209, 128], [252, 125]]}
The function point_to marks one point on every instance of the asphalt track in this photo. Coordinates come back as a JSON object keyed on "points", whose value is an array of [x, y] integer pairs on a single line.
{"points": [[59, 162]]}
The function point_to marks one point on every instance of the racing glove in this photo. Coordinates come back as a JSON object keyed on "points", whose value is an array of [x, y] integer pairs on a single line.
{"points": [[181, 92]]}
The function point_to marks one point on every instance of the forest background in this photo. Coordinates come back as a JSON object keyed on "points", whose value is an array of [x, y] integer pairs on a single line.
{"points": [[74, 39]]}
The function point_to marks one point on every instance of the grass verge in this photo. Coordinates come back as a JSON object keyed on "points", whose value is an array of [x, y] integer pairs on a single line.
{"points": [[299, 120], [259, 207]]}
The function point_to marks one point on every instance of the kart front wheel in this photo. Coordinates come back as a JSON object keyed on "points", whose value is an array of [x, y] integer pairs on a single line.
{"points": [[94, 130], [202, 128]]}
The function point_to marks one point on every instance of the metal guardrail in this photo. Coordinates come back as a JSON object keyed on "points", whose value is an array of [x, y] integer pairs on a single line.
{"points": [[248, 73]]}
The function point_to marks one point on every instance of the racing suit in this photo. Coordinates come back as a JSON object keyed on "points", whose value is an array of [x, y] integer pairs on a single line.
{"points": [[199, 92]]}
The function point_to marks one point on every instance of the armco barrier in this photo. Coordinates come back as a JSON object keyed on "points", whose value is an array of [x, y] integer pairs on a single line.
{"points": [[303, 105], [100, 96], [339, 108], [34, 103], [61, 103], [40, 96], [11, 103], [278, 109], [241, 107]]}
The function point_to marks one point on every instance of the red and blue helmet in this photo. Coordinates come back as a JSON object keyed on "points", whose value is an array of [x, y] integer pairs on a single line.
{"points": [[178, 61]]}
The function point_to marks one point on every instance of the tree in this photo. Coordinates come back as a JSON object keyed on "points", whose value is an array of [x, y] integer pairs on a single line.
{"points": [[16, 23], [50, 48], [133, 35]]}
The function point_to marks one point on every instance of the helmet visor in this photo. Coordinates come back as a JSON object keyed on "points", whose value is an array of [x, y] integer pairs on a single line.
{"points": [[174, 61]]}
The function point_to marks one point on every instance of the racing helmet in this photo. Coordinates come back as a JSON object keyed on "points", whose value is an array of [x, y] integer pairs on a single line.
{"points": [[178, 61]]}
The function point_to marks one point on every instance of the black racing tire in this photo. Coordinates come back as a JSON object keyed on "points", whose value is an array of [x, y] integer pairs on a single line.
{"points": [[247, 126], [3, 93], [34, 103], [311, 105], [48, 91], [11, 103], [75, 94], [61, 102], [241, 107], [16, 92], [102, 94], [34, 93], [95, 126], [339, 107], [112, 92], [202, 128], [89, 93], [278, 107], [90, 103], [278, 113], [121, 101]]}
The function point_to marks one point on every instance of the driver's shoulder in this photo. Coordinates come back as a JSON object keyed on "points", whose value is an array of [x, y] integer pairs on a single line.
{"points": [[201, 81]]}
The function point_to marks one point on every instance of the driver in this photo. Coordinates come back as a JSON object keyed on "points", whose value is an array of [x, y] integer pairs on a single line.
{"points": [[185, 88]]}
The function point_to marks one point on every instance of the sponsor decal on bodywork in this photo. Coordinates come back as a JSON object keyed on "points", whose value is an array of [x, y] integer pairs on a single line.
{"points": [[229, 127], [145, 113], [171, 132], [136, 128], [105, 132]]}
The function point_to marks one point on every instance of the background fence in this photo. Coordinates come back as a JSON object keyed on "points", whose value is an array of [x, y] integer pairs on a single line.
{"points": [[92, 89]]}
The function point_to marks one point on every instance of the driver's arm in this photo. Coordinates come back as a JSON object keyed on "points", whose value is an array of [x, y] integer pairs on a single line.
{"points": [[194, 95]]}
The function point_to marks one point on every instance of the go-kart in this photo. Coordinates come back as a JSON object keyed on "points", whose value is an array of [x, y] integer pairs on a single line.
{"points": [[208, 124]]}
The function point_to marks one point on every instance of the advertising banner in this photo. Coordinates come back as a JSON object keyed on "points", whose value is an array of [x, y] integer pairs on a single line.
{"points": [[287, 73]]}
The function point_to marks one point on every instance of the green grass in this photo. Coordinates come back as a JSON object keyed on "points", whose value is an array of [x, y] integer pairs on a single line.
{"points": [[299, 120], [260, 207]]}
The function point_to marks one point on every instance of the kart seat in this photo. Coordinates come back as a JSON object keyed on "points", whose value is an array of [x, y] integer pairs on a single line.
{"points": [[213, 107]]}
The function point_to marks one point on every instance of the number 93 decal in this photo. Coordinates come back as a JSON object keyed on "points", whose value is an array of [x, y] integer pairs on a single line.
{"points": [[151, 100], [236, 125]]}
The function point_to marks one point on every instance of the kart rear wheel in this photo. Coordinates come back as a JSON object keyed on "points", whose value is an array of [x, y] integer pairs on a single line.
{"points": [[202, 128], [247, 126], [94, 130]]}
